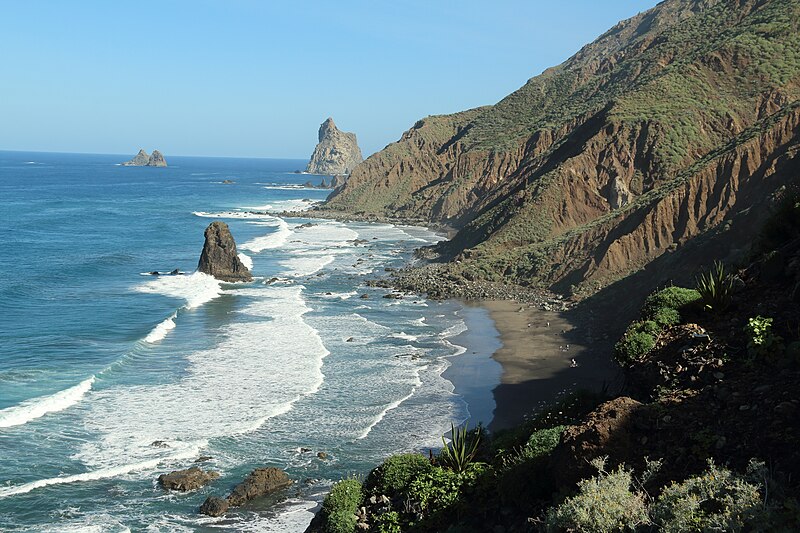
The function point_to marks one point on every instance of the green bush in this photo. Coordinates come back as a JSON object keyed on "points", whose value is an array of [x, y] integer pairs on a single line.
{"points": [[604, 503], [388, 522], [633, 345], [665, 316], [717, 500], [393, 476], [676, 298], [341, 505], [434, 490], [544, 441], [761, 341], [460, 452], [715, 288]]}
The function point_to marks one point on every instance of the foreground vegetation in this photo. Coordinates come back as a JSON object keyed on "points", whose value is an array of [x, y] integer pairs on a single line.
{"points": [[703, 438]]}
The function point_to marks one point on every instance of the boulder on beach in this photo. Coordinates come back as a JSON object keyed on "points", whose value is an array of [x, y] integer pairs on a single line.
{"points": [[219, 257], [190, 479]]}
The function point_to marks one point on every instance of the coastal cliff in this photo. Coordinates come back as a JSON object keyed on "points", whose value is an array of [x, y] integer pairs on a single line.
{"points": [[337, 152], [647, 140]]}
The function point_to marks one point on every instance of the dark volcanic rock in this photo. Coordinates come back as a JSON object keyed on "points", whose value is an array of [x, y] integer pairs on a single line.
{"points": [[260, 482], [219, 257], [214, 506], [140, 160], [156, 160], [190, 479]]}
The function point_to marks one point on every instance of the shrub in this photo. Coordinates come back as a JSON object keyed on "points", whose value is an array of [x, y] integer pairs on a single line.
{"points": [[715, 288], [341, 505], [459, 453], [542, 442], [603, 503], [762, 342], [633, 345], [394, 475], [665, 316], [676, 298], [434, 490], [388, 522], [717, 500]]}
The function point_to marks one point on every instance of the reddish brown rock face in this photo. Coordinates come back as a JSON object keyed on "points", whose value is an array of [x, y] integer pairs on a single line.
{"points": [[219, 257]]}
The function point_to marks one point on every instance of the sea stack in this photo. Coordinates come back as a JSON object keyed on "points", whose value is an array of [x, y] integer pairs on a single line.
{"points": [[143, 160], [156, 160], [337, 153], [219, 257], [140, 160]]}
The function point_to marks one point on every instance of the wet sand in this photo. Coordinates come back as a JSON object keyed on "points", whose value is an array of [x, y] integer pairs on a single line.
{"points": [[537, 353]]}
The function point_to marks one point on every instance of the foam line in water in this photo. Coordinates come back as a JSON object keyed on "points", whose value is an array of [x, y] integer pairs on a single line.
{"points": [[103, 473], [276, 239], [233, 214], [246, 260], [160, 331], [196, 289], [392, 406], [38, 407]]}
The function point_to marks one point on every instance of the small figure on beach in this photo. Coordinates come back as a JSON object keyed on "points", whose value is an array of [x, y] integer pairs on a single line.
{"points": [[548, 324], [573, 363]]}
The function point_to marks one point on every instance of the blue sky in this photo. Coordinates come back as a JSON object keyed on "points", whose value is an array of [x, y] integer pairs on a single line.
{"points": [[255, 78]]}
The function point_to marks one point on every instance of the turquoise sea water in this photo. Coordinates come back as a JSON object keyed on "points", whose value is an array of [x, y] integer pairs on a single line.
{"points": [[99, 360]]}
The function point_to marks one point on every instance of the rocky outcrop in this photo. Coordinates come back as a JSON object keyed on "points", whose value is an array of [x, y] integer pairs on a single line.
{"points": [[259, 482], [337, 152], [219, 257], [140, 160], [184, 480], [588, 173], [156, 160], [143, 160]]}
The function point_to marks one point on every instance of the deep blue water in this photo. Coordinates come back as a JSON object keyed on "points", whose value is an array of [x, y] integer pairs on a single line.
{"points": [[99, 360]]}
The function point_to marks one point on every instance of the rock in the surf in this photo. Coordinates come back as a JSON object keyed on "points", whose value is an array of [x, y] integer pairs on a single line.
{"points": [[190, 479], [156, 160], [214, 506], [260, 482], [219, 257]]}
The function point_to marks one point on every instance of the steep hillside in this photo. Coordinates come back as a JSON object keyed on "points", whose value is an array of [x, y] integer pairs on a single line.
{"points": [[676, 124]]}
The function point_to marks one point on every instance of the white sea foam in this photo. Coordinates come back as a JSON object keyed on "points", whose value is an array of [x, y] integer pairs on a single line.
{"points": [[420, 322], [305, 264], [160, 331], [257, 371], [403, 335], [195, 289], [339, 295], [234, 214], [276, 239], [393, 405], [38, 407], [285, 205], [246, 260], [103, 473]]}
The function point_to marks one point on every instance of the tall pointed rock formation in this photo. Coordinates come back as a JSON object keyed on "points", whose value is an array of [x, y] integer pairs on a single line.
{"points": [[219, 257], [337, 153]]}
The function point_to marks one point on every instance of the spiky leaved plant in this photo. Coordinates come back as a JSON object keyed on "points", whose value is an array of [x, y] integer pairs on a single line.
{"points": [[715, 288], [460, 452]]}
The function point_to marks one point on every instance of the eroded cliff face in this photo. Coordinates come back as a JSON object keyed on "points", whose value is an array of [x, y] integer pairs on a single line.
{"points": [[677, 123], [337, 153]]}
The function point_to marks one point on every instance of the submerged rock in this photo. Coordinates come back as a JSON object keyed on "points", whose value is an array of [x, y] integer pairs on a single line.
{"points": [[190, 479], [219, 257]]}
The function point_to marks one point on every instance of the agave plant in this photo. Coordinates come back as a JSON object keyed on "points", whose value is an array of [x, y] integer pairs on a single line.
{"points": [[715, 288], [460, 452]]}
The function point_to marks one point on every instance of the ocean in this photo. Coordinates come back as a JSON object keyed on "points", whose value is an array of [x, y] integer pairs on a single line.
{"points": [[110, 376]]}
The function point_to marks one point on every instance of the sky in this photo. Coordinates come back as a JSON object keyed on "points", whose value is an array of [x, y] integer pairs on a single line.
{"points": [[248, 78]]}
